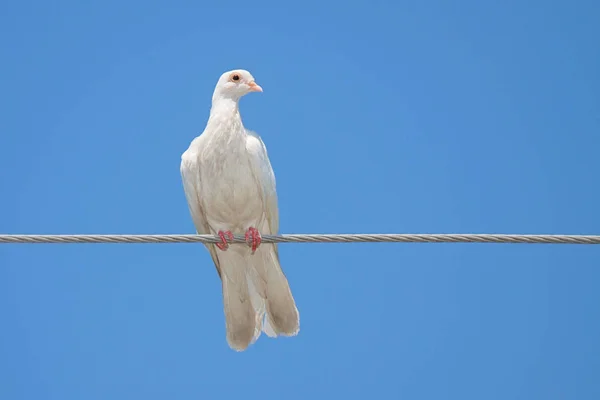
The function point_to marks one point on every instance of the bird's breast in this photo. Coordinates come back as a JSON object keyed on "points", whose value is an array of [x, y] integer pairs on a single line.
{"points": [[230, 191]]}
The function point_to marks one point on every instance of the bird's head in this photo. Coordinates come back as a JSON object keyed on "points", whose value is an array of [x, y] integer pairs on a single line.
{"points": [[235, 84]]}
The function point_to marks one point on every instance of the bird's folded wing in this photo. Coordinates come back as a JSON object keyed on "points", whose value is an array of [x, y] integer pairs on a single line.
{"points": [[190, 175], [263, 171]]}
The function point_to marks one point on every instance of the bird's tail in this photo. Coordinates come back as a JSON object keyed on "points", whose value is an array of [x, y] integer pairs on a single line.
{"points": [[271, 294], [241, 320]]}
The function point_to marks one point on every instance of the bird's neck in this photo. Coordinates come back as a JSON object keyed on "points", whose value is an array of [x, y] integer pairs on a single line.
{"points": [[224, 107], [225, 121], [224, 110]]}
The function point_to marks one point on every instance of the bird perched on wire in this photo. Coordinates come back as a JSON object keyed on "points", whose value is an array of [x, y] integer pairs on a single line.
{"points": [[230, 187]]}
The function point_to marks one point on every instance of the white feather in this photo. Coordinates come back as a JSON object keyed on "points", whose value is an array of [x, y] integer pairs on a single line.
{"points": [[230, 186]]}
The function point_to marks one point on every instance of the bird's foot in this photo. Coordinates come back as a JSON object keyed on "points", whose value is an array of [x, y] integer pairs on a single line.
{"points": [[253, 238], [224, 245]]}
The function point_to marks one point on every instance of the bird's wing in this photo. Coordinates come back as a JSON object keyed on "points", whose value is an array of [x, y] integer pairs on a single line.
{"points": [[269, 281], [263, 172], [190, 175]]}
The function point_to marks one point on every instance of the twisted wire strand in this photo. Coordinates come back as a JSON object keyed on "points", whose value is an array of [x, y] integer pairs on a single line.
{"points": [[311, 238]]}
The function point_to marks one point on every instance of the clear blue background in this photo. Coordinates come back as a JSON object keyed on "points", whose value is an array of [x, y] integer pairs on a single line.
{"points": [[427, 117]]}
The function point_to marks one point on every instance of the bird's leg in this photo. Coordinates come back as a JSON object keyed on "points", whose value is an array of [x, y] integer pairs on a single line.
{"points": [[224, 245], [253, 238]]}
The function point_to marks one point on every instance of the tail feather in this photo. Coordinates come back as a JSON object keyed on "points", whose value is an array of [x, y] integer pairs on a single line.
{"points": [[272, 286], [257, 288], [258, 301], [268, 328], [256, 296], [240, 315]]}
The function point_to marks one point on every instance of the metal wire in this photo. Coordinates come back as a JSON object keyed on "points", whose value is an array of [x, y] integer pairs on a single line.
{"points": [[310, 238]]}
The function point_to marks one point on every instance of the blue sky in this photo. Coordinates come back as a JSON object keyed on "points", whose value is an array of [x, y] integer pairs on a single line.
{"points": [[406, 117]]}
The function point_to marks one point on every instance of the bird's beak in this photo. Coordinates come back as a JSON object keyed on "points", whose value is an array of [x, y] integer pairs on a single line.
{"points": [[254, 87]]}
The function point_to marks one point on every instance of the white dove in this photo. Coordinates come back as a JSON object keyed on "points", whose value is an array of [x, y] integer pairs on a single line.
{"points": [[230, 187]]}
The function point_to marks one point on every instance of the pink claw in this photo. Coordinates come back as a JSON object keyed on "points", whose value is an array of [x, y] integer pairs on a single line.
{"points": [[253, 238], [224, 245]]}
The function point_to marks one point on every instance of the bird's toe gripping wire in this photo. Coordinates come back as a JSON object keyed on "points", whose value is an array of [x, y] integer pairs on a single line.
{"points": [[224, 245], [253, 238]]}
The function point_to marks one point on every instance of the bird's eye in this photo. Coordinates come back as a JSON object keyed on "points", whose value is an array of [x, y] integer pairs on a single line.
{"points": [[235, 78]]}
